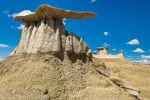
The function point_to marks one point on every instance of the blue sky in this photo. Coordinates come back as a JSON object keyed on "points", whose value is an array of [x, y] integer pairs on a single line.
{"points": [[120, 24]]}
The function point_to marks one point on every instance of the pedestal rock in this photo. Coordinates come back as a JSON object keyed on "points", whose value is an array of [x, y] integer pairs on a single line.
{"points": [[45, 32]]}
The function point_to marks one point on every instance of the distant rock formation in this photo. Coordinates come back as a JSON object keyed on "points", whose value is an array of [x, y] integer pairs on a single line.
{"points": [[45, 32], [102, 54]]}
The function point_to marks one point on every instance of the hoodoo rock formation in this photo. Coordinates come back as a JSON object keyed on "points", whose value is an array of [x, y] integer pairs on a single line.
{"points": [[102, 54], [45, 32]]}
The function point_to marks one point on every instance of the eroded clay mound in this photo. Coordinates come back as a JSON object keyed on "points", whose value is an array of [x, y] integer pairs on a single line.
{"points": [[46, 77]]}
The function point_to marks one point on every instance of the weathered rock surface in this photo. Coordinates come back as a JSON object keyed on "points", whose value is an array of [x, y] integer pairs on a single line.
{"points": [[46, 11], [121, 83]]}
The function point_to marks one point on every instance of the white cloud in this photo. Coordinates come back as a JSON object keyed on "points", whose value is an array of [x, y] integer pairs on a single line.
{"points": [[149, 51], [129, 56], [21, 26], [3, 45], [106, 33], [134, 42], [143, 61], [6, 11], [147, 57], [139, 50], [64, 21], [23, 13], [12, 26], [105, 44], [93, 0], [114, 49], [128, 59], [0, 59]]}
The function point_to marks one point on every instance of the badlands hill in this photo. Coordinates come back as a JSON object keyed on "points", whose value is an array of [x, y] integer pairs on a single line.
{"points": [[51, 64], [46, 77]]}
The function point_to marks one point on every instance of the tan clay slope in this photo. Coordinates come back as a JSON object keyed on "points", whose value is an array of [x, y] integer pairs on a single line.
{"points": [[137, 76], [116, 62], [47, 76]]}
